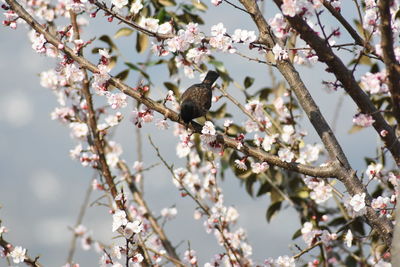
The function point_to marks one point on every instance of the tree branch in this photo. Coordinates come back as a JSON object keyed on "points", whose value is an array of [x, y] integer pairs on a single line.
{"points": [[389, 57]]}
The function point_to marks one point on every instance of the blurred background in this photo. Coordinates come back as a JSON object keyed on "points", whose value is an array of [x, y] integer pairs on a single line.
{"points": [[42, 189]]}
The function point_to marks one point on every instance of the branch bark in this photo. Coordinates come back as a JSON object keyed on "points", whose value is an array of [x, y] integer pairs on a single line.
{"points": [[389, 57]]}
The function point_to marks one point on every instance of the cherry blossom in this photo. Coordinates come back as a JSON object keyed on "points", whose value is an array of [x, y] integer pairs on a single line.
{"points": [[279, 53], [18, 254], [79, 130], [169, 213], [136, 6], [132, 228], [119, 3], [243, 36], [373, 170], [117, 100], [241, 164], [257, 167], [279, 25], [363, 120], [119, 219], [357, 202], [285, 154], [374, 82], [150, 24], [216, 2]]}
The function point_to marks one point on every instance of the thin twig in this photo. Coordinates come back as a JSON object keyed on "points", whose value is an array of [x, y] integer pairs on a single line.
{"points": [[79, 220]]}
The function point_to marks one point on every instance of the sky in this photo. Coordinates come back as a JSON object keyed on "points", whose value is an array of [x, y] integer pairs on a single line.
{"points": [[42, 189]]}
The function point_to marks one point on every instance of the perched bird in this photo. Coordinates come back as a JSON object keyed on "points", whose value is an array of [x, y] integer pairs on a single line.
{"points": [[196, 100]]}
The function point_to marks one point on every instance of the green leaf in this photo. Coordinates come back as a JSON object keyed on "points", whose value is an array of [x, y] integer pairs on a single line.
{"points": [[161, 16], [263, 93], [397, 16], [167, 2], [142, 42], [123, 32], [173, 88], [219, 65], [273, 210], [248, 81], [249, 182], [355, 129], [264, 188], [122, 75], [296, 234], [107, 40], [199, 5], [172, 67], [136, 68], [96, 50]]}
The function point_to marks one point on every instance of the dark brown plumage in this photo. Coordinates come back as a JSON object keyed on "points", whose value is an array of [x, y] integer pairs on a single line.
{"points": [[196, 100]]}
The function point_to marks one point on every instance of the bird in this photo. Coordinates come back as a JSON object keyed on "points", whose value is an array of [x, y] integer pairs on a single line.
{"points": [[196, 100]]}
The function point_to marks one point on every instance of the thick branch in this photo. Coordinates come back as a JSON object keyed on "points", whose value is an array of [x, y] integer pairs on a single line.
{"points": [[345, 76], [345, 172], [389, 57]]}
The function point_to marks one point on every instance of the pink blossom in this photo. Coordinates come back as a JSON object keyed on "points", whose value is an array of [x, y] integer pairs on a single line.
{"points": [[38, 42], [169, 213], [216, 2], [363, 120], [136, 6], [373, 170], [150, 24], [285, 154], [190, 256], [279, 25], [268, 141], [18, 254], [289, 8], [49, 79], [117, 100], [374, 82], [241, 164], [257, 167], [227, 123], [119, 3], [63, 114], [73, 73], [165, 28], [279, 53], [79, 130], [243, 36], [358, 202], [119, 219], [162, 124]]}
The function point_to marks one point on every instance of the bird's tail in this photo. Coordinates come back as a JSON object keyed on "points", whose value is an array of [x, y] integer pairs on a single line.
{"points": [[210, 78], [187, 111]]}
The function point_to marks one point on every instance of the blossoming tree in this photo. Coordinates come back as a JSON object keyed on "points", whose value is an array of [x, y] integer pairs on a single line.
{"points": [[347, 217]]}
